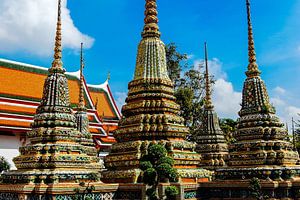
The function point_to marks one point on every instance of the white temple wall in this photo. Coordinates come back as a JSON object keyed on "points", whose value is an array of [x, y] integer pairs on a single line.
{"points": [[9, 147]]}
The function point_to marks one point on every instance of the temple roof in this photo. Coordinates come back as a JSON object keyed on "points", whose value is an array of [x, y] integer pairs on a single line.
{"points": [[21, 89]]}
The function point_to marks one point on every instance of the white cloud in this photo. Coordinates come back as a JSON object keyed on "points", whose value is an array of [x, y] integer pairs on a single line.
{"points": [[120, 99], [279, 90], [190, 56], [215, 67], [293, 111], [277, 101], [226, 99], [284, 109], [29, 25], [298, 49]]}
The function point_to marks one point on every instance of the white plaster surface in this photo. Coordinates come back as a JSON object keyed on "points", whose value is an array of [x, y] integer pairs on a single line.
{"points": [[9, 148]]}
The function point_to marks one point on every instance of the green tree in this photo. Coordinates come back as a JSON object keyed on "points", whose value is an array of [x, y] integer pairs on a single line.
{"points": [[175, 62], [189, 86], [297, 134], [228, 126], [157, 168], [4, 165]]}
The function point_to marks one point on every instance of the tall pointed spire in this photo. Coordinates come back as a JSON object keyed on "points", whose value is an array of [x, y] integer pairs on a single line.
{"points": [[208, 102], [57, 63], [81, 104], [81, 114], [252, 67], [151, 28], [56, 97]]}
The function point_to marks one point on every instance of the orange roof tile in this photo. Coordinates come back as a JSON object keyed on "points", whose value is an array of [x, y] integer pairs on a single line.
{"points": [[21, 87]]}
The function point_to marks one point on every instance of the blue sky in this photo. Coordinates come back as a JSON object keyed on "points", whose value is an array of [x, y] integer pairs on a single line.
{"points": [[111, 30]]}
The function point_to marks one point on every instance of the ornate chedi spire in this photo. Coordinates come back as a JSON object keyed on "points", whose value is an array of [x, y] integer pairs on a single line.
{"points": [[260, 137], [252, 67], [208, 103], [211, 143], [151, 115], [55, 152], [57, 63], [81, 114], [81, 104], [151, 28]]}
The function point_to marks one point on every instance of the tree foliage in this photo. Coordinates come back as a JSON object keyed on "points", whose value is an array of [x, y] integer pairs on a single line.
{"points": [[4, 165], [228, 126], [157, 168], [189, 86], [297, 134], [175, 62], [171, 192]]}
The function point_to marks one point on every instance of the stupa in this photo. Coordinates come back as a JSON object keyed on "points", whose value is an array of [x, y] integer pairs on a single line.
{"points": [[211, 143], [260, 136], [58, 158], [151, 115], [82, 117], [261, 150]]}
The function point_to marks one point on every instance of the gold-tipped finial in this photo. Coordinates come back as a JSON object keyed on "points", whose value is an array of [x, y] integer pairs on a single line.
{"points": [[208, 101], [57, 63], [151, 28], [252, 67], [81, 104]]}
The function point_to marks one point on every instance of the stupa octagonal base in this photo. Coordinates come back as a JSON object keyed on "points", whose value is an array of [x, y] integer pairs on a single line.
{"points": [[239, 189], [269, 173], [61, 191], [134, 176], [48, 176]]}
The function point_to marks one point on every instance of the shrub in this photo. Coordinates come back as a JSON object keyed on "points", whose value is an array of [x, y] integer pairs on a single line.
{"points": [[144, 165], [167, 160], [173, 175], [151, 193], [157, 151], [163, 170], [150, 176], [157, 167], [171, 192]]}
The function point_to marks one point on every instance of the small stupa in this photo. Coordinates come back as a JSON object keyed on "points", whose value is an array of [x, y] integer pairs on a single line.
{"points": [[261, 149], [211, 142], [60, 155], [262, 163]]}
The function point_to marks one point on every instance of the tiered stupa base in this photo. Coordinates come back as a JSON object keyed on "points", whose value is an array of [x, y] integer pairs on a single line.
{"points": [[126, 158], [233, 183], [269, 173], [213, 156], [48, 176], [57, 191]]}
